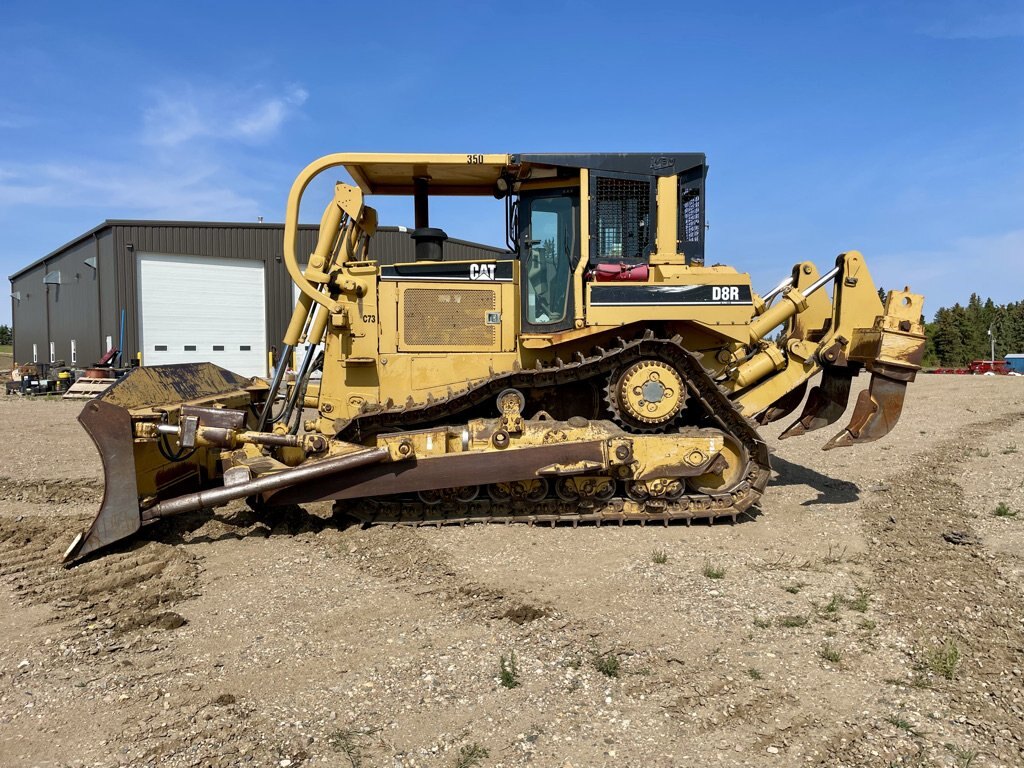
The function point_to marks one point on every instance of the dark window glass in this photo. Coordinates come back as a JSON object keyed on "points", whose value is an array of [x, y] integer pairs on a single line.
{"points": [[547, 268], [218, 347], [190, 347], [160, 347], [245, 348]]}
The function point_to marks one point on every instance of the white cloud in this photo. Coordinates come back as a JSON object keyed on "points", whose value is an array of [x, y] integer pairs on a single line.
{"points": [[990, 265], [120, 189], [189, 159], [187, 113]]}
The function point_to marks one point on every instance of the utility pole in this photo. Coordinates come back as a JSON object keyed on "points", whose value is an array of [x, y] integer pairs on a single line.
{"points": [[992, 341]]}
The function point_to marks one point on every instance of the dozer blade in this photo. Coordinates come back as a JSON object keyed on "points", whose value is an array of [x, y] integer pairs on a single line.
{"points": [[825, 404], [782, 407], [136, 468], [110, 428], [876, 413]]}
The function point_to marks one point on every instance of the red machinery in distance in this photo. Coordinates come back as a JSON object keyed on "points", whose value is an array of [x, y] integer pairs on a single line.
{"points": [[979, 367]]}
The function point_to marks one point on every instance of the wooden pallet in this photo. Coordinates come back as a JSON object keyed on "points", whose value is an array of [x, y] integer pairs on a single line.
{"points": [[86, 389]]}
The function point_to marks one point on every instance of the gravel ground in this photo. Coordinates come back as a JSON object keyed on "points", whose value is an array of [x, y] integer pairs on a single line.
{"points": [[871, 615]]}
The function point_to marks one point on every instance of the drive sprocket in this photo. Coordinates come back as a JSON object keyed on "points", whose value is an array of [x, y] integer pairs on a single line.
{"points": [[646, 396]]}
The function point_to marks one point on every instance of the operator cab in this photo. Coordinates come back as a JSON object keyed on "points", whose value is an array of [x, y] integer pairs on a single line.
{"points": [[637, 206], [622, 200]]}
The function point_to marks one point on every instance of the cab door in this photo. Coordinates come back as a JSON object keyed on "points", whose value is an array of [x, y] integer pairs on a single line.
{"points": [[549, 250]]}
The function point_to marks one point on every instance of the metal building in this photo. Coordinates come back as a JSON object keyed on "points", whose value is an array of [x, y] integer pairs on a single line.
{"points": [[174, 291]]}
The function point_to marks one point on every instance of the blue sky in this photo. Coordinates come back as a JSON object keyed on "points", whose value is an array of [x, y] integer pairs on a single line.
{"points": [[896, 128]]}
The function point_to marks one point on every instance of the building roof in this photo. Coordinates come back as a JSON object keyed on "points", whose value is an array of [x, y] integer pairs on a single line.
{"points": [[144, 223]]}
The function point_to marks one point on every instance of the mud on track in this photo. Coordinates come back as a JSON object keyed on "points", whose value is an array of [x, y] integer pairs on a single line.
{"points": [[248, 640]]}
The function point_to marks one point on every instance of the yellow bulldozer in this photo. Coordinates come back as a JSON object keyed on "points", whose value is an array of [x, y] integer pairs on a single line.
{"points": [[600, 371]]}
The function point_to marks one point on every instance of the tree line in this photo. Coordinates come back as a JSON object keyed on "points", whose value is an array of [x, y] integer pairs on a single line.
{"points": [[960, 334], [6, 337]]}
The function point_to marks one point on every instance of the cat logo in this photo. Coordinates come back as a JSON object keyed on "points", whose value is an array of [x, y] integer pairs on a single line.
{"points": [[725, 293], [481, 271]]}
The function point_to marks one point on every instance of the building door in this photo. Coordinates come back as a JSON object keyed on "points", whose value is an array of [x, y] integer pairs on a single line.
{"points": [[197, 309]]}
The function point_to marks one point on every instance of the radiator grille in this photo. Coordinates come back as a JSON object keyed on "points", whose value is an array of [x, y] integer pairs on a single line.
{"points": [[448, 318]]}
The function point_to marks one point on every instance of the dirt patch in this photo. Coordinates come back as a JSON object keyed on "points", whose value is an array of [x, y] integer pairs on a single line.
{"points": [[821, 633], [524, 614], [51, 491]]}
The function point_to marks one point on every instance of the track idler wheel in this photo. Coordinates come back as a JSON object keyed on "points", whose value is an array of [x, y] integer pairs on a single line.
{"points": [[877, 410], [735, 459], [825, 405]]}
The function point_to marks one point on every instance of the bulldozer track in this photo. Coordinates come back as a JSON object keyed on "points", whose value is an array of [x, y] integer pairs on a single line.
{"points": [[704, 394]]}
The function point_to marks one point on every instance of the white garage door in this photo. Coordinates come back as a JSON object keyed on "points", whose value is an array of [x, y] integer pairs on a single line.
{"points": [[197, 309]]}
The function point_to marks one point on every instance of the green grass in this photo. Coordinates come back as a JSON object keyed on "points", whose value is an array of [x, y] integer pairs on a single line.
{"points": [[793, 621], [941, 660], [761, 622], [508, 671], [833, 605], [899, 722], [903, 724], [1012, 448], [861, 602], [659, 556], [829, 652], [793, 589], [6, 349], [964, 757], [713, 571], [755, 674], [607, 664], [1002, 510], [471, 755]]}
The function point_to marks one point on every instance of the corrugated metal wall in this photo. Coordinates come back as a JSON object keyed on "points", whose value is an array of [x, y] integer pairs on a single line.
{"points": [[74, 304], [109, 320], [87, 306], [62, 311], [29, 315]]}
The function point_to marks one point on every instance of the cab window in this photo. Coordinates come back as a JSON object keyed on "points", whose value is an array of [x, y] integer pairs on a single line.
{"points": [[548, 253]]}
